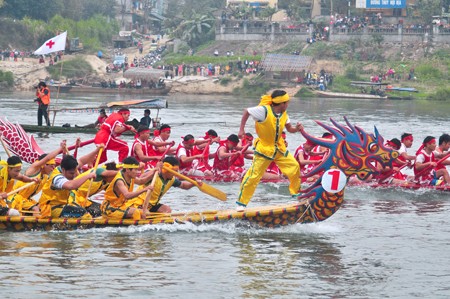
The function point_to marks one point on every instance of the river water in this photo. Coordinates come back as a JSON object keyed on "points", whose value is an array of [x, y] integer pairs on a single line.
{"points": [[380, 244]]}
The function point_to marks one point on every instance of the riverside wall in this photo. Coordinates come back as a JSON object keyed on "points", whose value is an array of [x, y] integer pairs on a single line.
{"points": [[280, 34]]}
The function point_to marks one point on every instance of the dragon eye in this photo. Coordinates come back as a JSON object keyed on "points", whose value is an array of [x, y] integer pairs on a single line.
{"points": [[373, 147]]}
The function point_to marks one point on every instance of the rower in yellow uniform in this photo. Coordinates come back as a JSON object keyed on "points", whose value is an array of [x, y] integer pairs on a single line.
{"points": [[41, 169], [270, 118], [55, 201], [9, 173], [120, 197], [163, 183], [104, 176]]}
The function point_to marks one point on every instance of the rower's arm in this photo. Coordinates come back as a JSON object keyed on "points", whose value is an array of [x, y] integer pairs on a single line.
{"points": [[244, 120], [36, 166], [120, 187]]}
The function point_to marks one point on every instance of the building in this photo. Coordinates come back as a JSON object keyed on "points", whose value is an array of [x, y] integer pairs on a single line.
{"points": [[141, 15], [284, 67], [254, 3]]}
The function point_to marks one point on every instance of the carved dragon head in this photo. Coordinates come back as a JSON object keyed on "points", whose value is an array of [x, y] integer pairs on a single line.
{"points": [[352, 150]]}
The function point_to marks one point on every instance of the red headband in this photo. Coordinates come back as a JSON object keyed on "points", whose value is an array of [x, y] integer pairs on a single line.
{"points": [[310, 143], [390, 143], [409, 137], [233, 143], [165, 130], [190, 141], [431, 141]]}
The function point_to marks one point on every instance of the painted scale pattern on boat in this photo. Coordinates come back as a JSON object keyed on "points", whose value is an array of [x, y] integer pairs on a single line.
{"points": [[19, 142]]}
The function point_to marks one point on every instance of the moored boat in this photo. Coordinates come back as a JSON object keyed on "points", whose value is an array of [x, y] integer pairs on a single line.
{"points": [[329, 94], [108, 90]]}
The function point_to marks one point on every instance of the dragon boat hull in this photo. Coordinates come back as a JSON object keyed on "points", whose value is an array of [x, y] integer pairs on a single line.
{"points": [[265, 216]]}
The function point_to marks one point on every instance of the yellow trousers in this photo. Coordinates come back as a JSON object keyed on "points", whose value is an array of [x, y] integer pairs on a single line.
{"points": [[288, 166]]}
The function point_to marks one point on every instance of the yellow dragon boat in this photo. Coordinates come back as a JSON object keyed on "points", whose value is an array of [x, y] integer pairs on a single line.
{"points": [[351, 152]]}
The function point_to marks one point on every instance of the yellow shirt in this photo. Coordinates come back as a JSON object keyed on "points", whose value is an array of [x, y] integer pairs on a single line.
{"points": [[116, 200], [51, 195], [269, 131]]}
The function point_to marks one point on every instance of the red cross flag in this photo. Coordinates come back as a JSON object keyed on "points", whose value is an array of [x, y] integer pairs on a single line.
{"points": [[58, 43]]}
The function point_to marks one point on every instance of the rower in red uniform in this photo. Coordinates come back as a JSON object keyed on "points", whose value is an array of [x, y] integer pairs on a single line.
{"points": [[425, 169], [246, 142], [143, 150], [204, 148], [191, 164], [224, 158], [162, 135], [303, 157], [109, 132]]}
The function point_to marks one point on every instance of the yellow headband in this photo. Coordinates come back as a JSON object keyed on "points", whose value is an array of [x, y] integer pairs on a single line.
{"points": [[51, 162], [15, 165], [129, 166], [281, 99], [168, 165], [268, 100]]}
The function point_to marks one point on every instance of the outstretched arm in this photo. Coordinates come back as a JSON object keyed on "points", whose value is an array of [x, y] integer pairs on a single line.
{"points": [[36, 166], [244, 119]]}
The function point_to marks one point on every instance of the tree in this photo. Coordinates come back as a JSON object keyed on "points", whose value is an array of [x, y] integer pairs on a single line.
{"points": [[194, 31], [428, 8]]}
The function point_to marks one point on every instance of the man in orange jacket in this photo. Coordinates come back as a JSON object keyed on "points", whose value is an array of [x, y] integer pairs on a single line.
{"points": [[43, 99]]}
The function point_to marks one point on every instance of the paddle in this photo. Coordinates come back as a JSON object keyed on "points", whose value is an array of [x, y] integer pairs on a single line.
{"points": [[427, 168], [20, 189], [81, 144], [242, 152], [95, 169], [391, 173], [205, 188], [149, 192]]}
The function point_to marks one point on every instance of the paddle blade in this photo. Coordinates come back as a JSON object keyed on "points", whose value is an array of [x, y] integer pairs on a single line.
{"points": [[210, 190]]}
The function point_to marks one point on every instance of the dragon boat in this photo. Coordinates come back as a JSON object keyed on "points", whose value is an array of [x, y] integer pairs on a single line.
{"points": [[351, 152]]}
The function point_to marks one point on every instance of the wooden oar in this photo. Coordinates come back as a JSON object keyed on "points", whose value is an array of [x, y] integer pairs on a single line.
{"points": [[242, 152], [95, 169], [81, 144], [427, 168], [392, 173], [5, 147], [149, 192], [205, 188], [21, 188]]}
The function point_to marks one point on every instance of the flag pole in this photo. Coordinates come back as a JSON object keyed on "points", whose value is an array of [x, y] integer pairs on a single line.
{"points": [[57, 93]]}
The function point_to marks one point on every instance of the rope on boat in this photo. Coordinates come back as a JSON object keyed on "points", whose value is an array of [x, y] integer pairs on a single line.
{"points": [[308, 207]]}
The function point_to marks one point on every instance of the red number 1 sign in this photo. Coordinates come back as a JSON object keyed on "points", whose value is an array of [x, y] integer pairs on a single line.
{"points": [[333, 180]]}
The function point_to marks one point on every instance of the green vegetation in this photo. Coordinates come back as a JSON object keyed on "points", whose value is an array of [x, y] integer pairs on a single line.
{"points": [[442, 94], [174, 58], [77, 67], [6, 79], [252, 89]]}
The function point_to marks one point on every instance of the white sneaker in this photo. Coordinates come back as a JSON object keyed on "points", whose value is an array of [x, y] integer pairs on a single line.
{"points": [[240, 208], [13, 212]]}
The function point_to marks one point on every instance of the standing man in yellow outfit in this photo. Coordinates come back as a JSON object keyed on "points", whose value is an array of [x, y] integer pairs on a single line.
{"points": [[270, 120]]}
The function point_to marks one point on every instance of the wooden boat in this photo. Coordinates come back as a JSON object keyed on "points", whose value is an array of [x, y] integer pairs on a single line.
{"points": [[272, 216], [85, 89], [406, 186], [329, 94], [109, 107], [317, 203], [65, 130]]}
